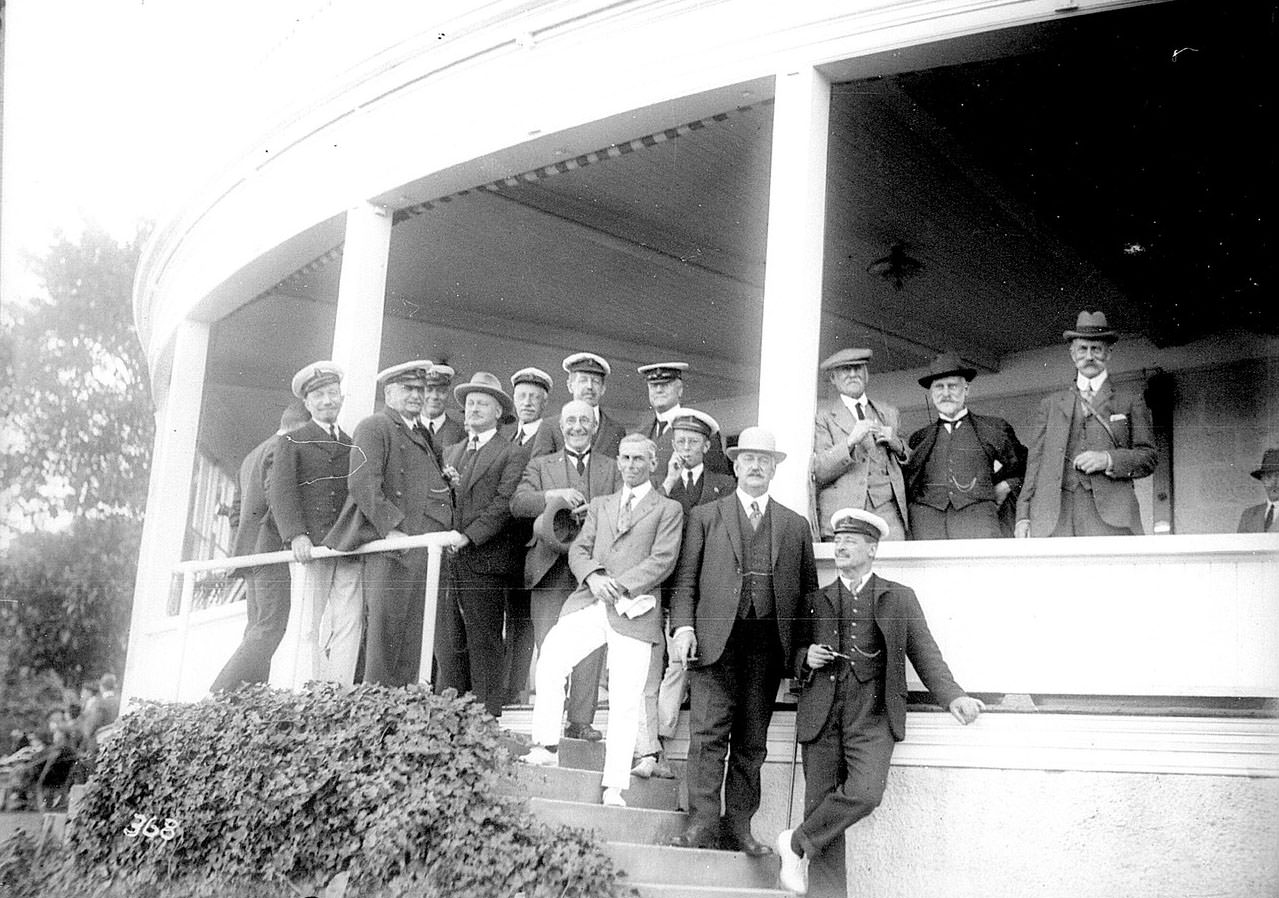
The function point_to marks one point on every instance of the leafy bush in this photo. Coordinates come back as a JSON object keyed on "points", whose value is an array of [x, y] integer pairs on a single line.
{"points": [[276, 791]]}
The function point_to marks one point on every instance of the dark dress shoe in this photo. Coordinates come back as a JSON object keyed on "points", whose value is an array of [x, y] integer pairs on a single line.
{"points": [[582, 731], [697, 836], [748, 844]]}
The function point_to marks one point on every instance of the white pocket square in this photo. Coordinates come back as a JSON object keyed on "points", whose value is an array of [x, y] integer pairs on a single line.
{"points": [[1118, 417]]}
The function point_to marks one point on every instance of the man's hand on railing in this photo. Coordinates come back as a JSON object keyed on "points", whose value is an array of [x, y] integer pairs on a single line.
{"points": [[301, 546], [966, 709], [397, 534], [1022, 530], [457, 540]]}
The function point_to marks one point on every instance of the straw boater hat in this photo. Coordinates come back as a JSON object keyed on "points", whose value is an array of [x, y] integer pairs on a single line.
{"points": [[483, 382], [846, 357], [1091, 326], [947, 364], [587, 362], [414, 372], [316, 375], [756, 439], [855, 520], [663, 372], [531, 376], [557, 526], [1269, 463]]}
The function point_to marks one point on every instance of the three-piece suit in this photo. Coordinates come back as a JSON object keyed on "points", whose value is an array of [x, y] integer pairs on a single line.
{"points": [[868, 477]]}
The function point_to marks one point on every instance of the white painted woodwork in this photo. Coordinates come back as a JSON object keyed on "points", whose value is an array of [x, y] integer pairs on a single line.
{"points": [[357, 331]]}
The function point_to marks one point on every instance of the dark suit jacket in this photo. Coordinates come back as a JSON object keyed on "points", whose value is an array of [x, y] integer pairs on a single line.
{"points": [[715, 459], [997, 439], [906, 635], [550, 439], [708, 578], [714, 487], [482, 506], [1132, 451], [1253, 519], [550, 472], [394, 483], [253, 500], [308, 481]]}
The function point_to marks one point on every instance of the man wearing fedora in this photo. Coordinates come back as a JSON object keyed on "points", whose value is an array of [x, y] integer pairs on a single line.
{"points": [[852, 640], [1264, 518], [746, 563], [484, 472], [555, 492], [395, 488], [665, 392], [1091, 441], [857, 450], [628, 544], [586, 375], [965, 468], [308, 490], [690, 483]]}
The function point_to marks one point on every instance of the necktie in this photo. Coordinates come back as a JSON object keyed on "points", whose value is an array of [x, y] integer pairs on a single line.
{"points": [[468, 457], [1270, 518], [861, 415], [519, 435], [333, 429], [755, 515], [1087, 393], [688, 479], [579, 461], [624, 517]]}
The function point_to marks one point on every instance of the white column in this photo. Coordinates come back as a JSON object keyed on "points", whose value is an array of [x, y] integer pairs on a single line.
{"points": [[168, 506], [793, 276], [357, 331]]}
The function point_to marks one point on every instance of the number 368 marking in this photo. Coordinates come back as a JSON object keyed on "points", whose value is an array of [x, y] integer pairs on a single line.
{"points": [[145, 826]]}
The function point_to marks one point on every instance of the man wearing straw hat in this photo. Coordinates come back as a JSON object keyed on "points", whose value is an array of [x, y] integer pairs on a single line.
{"points": [[1091, 441], [964, 467], [308, 490], [746, 563], [555, 492], [484, 472], [851, 644], [395, 488], [1264, 518]]}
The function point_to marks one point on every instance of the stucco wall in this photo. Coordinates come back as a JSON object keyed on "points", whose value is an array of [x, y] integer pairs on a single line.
{"points": [[971, 833]]}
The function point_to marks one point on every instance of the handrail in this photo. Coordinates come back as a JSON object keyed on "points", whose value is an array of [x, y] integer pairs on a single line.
{"points": [[434, 543]]}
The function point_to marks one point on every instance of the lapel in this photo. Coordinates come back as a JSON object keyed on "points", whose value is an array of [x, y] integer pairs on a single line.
{"points": [[611, 506], [413, 433], [842, 417], [775, 529], [1066, 402], [324, 439], [879, 589], [831, 595], [641, 510], [728, 512], [484, 459], [1103, 399]]}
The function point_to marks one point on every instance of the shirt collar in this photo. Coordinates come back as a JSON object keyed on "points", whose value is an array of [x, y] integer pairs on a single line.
{"points": [[746, 499], [668, 416], [483, 437], [963, 413], [851, 404], [638, 492], [694, 473], [435, 423], [411, 422], [530, 428], [857, 587], [1095, 383]]}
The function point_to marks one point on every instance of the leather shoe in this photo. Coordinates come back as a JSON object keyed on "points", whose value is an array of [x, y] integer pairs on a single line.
{"points": [[582, 731], [697, 836], [749, 845]]}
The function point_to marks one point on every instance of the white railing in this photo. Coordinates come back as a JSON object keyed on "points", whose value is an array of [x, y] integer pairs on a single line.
{"points": [[292, 645]]}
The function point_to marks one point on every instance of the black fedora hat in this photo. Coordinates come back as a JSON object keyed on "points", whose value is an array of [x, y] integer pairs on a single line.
{"points": [[1269, 463], [946, 365]]}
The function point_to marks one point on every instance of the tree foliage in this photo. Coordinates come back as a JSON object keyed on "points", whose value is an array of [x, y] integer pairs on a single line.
{"points": [[78, 420]]}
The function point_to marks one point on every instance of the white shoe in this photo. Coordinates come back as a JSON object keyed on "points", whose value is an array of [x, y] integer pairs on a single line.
{"points": [[613, 798], [538, 756], [644, 767], [794, 874]]}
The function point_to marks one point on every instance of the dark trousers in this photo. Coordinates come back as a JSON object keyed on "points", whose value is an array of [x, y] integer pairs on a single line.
{"points": [[268, 588], [977, 521], [394, 585], [730, 706], [468, 636], [845, 772], [1079, 517], [584, 684], [519, 643]]}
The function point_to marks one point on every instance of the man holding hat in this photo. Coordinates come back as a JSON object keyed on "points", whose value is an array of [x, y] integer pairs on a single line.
{"points": [[484, 472], [746, 563], [1092, 440], [857, 451], [665, 392], [441, 430], [965, 467], [395, 488], [267, 586], [555, 492], [852, 640], [1264, 518], [586, 374], [308, 490]]}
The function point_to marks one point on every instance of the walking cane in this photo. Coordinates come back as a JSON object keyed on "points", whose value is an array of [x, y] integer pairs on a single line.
{"points": [[794, 758]]}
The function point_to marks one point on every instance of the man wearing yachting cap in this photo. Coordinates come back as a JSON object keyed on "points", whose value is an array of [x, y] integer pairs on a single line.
{"points": [[586, 374], [852, 640], [530, 388], [665, 393], [396, 488], [440, 429], [308, 490]]}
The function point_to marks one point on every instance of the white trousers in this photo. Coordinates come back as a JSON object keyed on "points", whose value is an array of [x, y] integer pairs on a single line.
{"points": [[334, 603], [664, 689], [572, 638]]}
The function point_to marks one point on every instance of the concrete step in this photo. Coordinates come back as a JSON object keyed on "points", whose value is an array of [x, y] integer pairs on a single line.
{"points": [[665, 890], [681, 867], [581, 755], [586, 786], [629, 824]]}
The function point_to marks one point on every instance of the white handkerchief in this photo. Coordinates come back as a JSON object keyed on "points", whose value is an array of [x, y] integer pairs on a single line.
{"points": [[1118, 417], [634, 606]]}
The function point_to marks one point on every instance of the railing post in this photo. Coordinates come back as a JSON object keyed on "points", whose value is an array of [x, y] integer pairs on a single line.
{"points": [[435, 559]]}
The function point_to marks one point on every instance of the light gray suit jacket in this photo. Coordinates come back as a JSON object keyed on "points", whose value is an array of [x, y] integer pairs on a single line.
{"points": [[840, 477], [640, 559]]}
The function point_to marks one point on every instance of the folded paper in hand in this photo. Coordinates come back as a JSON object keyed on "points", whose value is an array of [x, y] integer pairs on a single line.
{"points": [[634, 606]]}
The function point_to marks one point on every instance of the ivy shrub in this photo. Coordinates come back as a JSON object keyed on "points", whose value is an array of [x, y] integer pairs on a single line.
{"points": [[276, 792]]}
